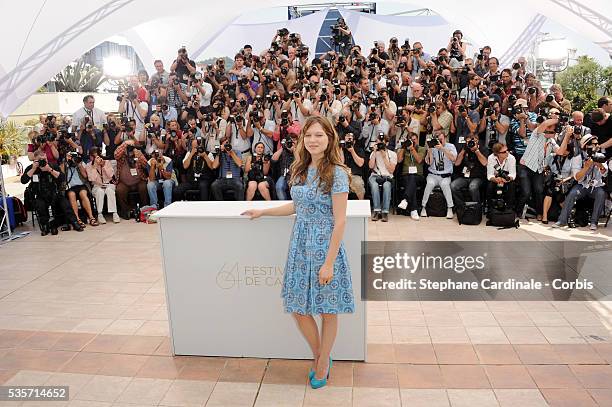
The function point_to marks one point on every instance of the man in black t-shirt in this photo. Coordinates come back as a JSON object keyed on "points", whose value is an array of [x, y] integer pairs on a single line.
{"points": [[200, 170], [472, 162], [183, 66], [353, 157], [601, 127]]}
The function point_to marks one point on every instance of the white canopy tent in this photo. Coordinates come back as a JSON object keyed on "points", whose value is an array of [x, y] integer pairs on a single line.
{"points": [[43, 36]]}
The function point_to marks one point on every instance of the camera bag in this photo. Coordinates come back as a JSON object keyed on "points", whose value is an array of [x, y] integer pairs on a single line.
{"points": [[436, 204], [470, 213], [505, 218]]}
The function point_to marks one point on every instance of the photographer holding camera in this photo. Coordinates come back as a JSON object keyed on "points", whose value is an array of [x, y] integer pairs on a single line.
{"points": [[176, 92], [470, 92], [44, 192], [466, 122], [347, 125], [456, 46], [101, 174], [601, 124], [440, 158], [373, 126], [501, 173], [558, 176], [299, 107], [95, 116], [353, 156], [230, 163], [200, 166], [440, 117], [411, 155], [132, 174], [75, 174], [494, 124], [382, 163], [161, 177], [257, 168], [183, 66], [417, 60], [284, 156], [261, 130], [44, 142], [532, 163], [134, 109], [472, 162], [556, 100], [165, 112], [589, 169]]}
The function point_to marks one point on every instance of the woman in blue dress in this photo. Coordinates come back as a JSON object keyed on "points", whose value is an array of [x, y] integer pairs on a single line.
{"points": [[317, 279]]}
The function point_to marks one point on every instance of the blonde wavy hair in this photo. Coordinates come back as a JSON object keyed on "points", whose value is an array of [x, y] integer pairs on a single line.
{"points": [[326, 167]]}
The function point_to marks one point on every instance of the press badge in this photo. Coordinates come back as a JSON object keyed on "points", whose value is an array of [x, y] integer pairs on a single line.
{"points": [[412, 169], [134, 172], [461, 140], [229, 175], [35, 178], [466, 172]]}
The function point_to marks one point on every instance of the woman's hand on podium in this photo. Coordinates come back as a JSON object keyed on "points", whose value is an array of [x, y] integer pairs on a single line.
{"points": [[253, 213]]}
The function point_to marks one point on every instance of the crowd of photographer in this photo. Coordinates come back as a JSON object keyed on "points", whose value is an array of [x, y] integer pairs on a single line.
{"points": [[418, 129]]}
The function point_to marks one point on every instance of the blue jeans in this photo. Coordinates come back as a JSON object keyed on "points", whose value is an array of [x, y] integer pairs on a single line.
{"points": [[281, 189], [577, 192], [375, 191], [154, 186]]}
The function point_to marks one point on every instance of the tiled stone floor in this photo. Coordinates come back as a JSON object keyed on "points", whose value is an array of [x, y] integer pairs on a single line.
{"points": [[88, 310]]}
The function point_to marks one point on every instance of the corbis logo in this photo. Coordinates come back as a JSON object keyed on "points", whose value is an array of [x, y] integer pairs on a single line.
{"points": [[234, 275]]}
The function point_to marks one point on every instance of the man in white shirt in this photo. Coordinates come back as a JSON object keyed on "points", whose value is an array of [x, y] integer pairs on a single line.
{"points": [[501, 173], [95, 116], [382, 163], [299, 107], [134, 109], [440, 157]]}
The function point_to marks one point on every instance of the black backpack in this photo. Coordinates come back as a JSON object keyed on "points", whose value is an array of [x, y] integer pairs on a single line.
{"points": [[505, 218], [436, 204], [470, 213]]}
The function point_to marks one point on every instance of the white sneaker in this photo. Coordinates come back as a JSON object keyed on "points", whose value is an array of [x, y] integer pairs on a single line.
{"points": [[116, 217], [449, 213], [403, 205], [424, 212], [414, 215], [101, 219]]}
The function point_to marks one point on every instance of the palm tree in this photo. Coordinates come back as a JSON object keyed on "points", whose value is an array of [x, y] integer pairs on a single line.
{"points": [[79, 77]]}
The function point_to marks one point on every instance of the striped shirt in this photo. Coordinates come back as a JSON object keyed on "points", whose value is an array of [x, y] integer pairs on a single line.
{"points": [[537, 149]]}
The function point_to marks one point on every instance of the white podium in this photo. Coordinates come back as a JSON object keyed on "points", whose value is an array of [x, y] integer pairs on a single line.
{"points": [[224, 273]]}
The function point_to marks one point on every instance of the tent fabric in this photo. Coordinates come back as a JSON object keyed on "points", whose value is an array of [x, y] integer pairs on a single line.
{"points": [[259, 36], [36, 46]]}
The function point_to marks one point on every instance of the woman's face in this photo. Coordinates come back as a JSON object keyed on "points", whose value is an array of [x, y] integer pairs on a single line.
{"points": [[155, 121], [315, 140], [259, 149]]}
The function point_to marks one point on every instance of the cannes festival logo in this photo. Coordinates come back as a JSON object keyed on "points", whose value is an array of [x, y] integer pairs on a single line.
{"points": [[233, 275]]}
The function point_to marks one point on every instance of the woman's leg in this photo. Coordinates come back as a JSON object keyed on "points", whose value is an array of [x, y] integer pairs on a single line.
{"points": [[85, 202], [251, 188], [546, 207], [73, 203], [264, 191], [310, 332], [328, 337]]}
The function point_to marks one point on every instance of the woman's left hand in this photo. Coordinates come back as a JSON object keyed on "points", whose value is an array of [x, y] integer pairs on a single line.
{"points": [[326, 274]]}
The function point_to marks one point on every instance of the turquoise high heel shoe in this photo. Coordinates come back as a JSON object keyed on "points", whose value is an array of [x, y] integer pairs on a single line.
{"points": [[316, 383]]}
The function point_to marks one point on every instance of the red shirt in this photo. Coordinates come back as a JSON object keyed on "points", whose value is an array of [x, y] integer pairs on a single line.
{"points": [[47, 149]]}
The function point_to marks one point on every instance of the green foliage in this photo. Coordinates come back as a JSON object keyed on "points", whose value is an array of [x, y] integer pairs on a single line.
{"points": [[31, 122], [584, 82], [13, 139], [79, 77]]}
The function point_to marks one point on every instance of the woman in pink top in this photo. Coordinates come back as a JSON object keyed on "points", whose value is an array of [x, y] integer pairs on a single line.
{"points": [[101, 174]]}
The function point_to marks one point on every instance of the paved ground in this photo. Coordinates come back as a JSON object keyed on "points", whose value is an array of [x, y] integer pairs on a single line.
{"points": [[88, 310]]}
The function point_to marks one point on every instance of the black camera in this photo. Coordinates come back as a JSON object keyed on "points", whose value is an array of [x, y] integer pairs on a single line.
{"points": [[227, 147], [532, 90], [42, 163], [550, 98], [75, 158], [407, 143], [372, 116], [287, 142], [489, 112], [516, 66], [433, 142], [432, 108], [517, 109], [471, 144], [461, 109]]}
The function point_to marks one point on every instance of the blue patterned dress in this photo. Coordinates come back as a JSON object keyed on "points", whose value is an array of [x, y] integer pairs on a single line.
{"points": [[308, 247]]}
